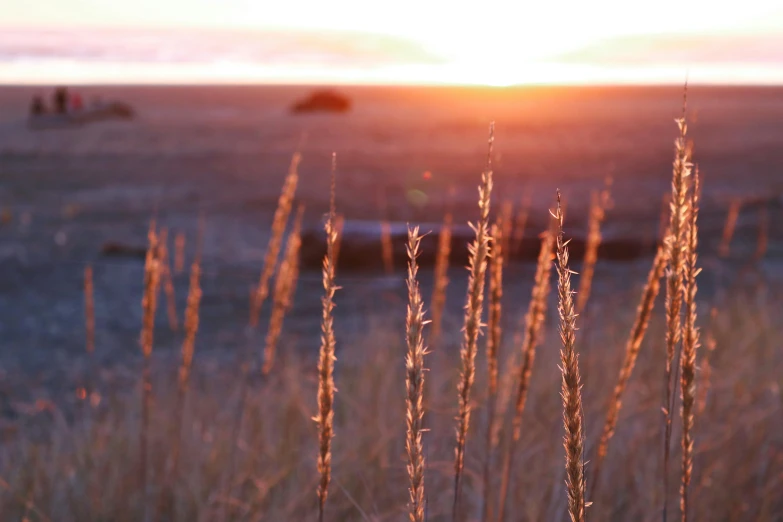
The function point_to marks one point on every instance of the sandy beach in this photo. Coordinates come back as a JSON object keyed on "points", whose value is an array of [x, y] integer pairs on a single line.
{"points": [[224, 151]]}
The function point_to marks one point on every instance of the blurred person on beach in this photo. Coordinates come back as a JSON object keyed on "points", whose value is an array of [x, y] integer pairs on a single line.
{"points": [[61, 100]]}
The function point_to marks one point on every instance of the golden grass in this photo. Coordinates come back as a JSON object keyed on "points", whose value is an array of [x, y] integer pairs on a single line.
{"points": [[479, 250], [690, 343], [676, 244], [326, 359], [494, 331], [275, 240], [572, 384], [598, 205], [706, 366], [80, 472], [285, 284], [534, 321], [149, 305], [89, 311], [257, 299], [179, 253], [414, 381], [441, 278], [167, 280], [387, 249], [632, 347], [339, 224], [84, 471], [166, 502]]}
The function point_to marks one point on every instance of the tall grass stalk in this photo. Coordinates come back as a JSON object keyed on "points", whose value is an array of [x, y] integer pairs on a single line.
{"points": [[534, 321], [676, 243], [387, 249], [284, 287], [495, 331], [148, 305], [89, 331], [441, 278], [339, 224], [729, 226], [710, 343], [690, 343], [167, 505], [665, 216], [257, 299], [572, 386], [179, 253], [414, 382], [167, 280], [598, 205], [643, 314], [275, 240], [326, 360], [479, 250]]}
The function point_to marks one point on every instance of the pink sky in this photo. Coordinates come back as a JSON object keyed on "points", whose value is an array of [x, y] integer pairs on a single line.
{"points": [[496, 42]]}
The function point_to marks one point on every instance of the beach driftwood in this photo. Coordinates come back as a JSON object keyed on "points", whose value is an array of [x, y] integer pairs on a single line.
{"points": [[111, 111], [361, 248], [115, 249]]}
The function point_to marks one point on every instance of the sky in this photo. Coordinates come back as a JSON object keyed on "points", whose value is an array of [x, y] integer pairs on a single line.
{"points": [[494, 42]]}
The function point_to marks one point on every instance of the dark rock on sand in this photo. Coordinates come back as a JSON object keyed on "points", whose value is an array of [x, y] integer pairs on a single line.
{"points": [[360, 247], [322, 101]]}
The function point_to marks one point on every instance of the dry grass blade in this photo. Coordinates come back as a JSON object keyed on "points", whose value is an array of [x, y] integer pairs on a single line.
{"points": [[89, 330], [284, 286], [387, 250], [441, 278], [572, 386], [257, 299], [166, 507], [148, 305], [710, 344], [495, 331], [414, 382], [275, 240], [643, 313], [167, 280], [598, 206], [665, 216], [179, 253], [339, 224], [89, 310], [534, 321], [326, 360], [676, 243], [479, 251], [729, 227], [690, 344]]}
